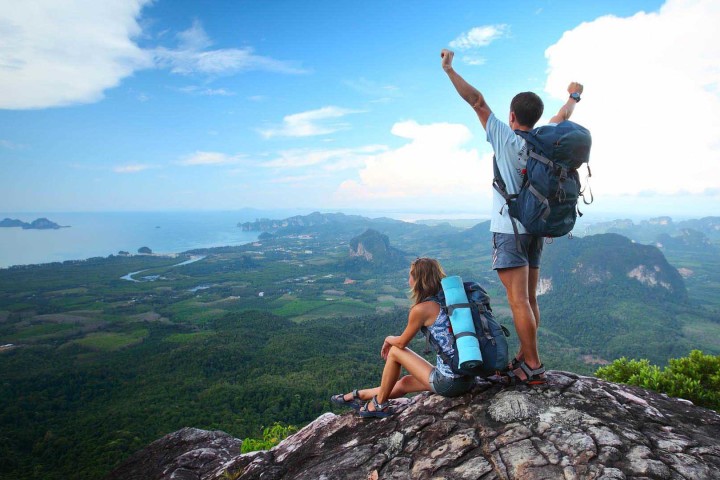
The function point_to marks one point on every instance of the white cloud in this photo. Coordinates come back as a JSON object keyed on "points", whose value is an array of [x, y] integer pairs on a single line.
{"points": [[652, 97], [134, 168], [480, 36], [331, 160], [193, 55], [196, 90], [433, 165], [297, 179], [473, 60], [64, 53], [310, 123], [61, 53], [384, 92], [210, 158]]}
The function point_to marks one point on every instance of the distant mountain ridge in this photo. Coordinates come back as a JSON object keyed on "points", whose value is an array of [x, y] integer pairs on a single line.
{"points": [[314, 219], [649, 230], [606, 294], [37, 224], [611, 258], [341, 225]]}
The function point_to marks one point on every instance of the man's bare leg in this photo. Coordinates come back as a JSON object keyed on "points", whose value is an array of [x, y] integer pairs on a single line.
{"points": [[533, 279], [516, 281]]}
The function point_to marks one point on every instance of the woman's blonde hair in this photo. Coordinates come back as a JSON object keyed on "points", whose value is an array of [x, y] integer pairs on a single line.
{"points": [[427, 273]]}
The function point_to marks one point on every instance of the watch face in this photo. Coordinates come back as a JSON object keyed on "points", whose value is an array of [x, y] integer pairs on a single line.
{"points": [[575, 96]]}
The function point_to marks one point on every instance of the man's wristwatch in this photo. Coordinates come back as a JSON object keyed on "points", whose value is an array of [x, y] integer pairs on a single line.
{"points": [[575, 96]]}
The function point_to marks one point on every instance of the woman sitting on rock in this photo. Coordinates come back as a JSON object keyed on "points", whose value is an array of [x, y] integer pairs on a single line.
{"points": [[424, 281]]}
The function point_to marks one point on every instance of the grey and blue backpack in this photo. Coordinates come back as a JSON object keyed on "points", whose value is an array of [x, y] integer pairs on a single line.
{"points": [[547, 203], [490, 334]]}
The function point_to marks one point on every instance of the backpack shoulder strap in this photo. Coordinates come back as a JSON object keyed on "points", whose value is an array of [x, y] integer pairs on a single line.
{"points": [[499, 184]]}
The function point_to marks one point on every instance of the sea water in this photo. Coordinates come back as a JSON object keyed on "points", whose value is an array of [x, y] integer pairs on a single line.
{"points": [[102, 234]]}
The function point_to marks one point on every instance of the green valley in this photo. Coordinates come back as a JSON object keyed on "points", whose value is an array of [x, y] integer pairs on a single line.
{"points": [[94, 366]]}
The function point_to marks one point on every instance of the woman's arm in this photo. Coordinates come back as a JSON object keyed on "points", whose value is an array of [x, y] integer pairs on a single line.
{"points": [[416, 319]]}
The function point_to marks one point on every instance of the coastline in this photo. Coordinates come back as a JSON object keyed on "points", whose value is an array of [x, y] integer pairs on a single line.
{"points": [[104, 234]]}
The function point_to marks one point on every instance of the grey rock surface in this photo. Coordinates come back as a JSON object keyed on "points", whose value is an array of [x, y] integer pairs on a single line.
{"points": [[188, 454], [573, 427]]}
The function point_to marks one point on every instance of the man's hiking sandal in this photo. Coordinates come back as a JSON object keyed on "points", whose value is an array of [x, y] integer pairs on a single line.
{"points": [[515, 364], [339, 399], [382, 410], [532, 377]]}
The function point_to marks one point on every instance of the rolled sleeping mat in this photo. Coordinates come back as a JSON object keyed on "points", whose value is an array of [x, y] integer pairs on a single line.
{"points": [[469, 355]]}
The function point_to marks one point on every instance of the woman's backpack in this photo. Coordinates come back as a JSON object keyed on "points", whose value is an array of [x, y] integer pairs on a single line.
{"points": [[490, 335]]}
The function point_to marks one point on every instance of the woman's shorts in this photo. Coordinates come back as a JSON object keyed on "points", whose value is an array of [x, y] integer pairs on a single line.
{"points": [[449, 386]]}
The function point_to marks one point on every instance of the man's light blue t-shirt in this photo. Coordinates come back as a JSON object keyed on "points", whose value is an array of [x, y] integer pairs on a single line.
{"points": [[511, 154]]}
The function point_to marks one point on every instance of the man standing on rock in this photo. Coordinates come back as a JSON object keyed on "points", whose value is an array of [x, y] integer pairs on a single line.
{"points": [[518, 269]]}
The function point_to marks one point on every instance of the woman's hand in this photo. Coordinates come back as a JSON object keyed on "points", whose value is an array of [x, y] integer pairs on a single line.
{"points": [[385, 349]]}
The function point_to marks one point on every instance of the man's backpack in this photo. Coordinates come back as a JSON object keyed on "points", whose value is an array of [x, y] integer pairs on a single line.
{"points": [[546, 204], [490, 335]]}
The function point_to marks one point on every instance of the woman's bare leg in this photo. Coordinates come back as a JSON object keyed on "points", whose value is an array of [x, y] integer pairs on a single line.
{"points": [[406, 384], [391, 386]]}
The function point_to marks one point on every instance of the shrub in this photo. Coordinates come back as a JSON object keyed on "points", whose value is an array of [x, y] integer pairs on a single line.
{"points": [[695, 377], [271, 436]]}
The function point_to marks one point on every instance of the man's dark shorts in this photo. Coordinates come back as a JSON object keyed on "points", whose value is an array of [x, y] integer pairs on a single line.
{"points": [[506, 255]]}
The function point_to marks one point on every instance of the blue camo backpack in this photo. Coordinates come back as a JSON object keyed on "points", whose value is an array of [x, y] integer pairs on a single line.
{"points": [[490, 334], [547, 203]]}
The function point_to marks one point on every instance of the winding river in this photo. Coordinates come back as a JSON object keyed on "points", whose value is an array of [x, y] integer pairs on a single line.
{"points": [[129, 276]]}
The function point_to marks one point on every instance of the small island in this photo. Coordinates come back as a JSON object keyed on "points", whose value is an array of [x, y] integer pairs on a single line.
{"points": [[37, 224]]}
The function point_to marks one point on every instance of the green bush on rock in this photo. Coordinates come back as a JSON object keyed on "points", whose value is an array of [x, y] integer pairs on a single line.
{"points": [[271, 436], [695, 377]]}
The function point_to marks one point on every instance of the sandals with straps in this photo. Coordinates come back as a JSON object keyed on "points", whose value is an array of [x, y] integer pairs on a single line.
{"points": [[339, 400], [382, 410], [532, 377]]}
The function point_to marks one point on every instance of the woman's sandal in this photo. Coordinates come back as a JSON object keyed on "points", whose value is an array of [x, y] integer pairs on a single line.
{"points": [[382, 410], [532, 377], [339, 399]]}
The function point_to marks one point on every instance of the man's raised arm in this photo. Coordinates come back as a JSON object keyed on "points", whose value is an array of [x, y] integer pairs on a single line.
{"points": [[469, 93], [574, 89]]}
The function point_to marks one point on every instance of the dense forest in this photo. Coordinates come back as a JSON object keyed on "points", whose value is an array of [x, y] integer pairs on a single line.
{"points": [[243, 372]]}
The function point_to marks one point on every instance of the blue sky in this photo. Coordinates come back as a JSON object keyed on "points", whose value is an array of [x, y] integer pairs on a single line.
{"points": [[221, 105]]}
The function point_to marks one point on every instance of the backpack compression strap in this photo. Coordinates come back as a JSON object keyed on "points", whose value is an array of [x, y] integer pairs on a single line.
{"points": [[430, 340], [500, 186], [563, 176]]}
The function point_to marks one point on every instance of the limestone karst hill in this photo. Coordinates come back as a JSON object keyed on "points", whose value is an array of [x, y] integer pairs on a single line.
{"points": [[573, 427], [371, 250]]}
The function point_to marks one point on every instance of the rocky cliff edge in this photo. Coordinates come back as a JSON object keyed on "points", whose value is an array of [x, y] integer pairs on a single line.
{"points": [[574, 427]]}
